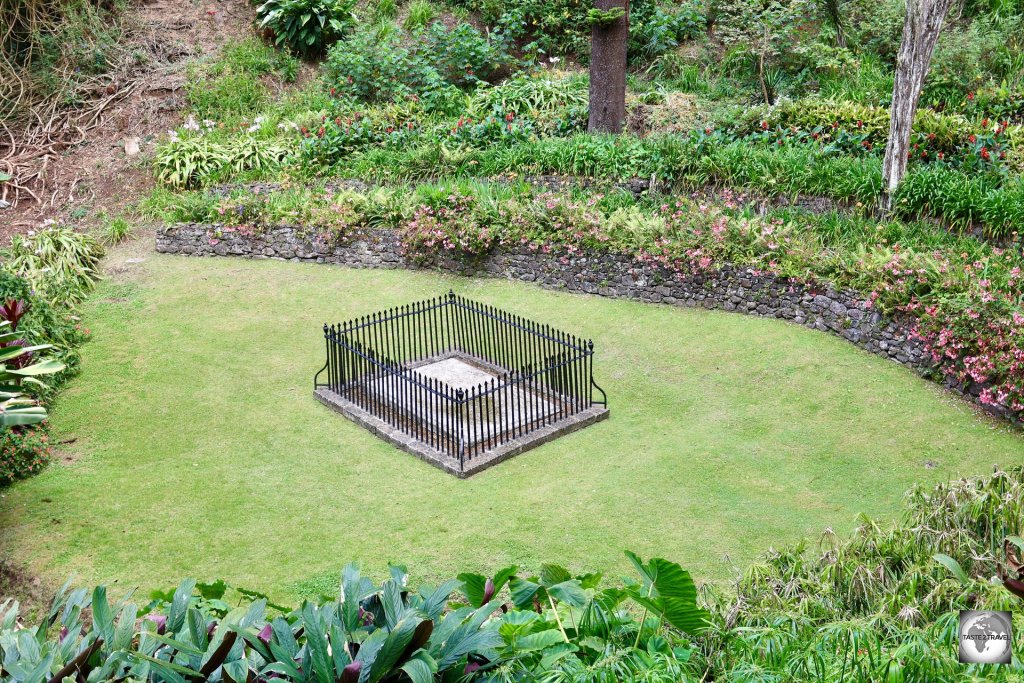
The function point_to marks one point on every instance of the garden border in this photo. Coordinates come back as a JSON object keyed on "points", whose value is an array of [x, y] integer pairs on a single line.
{"points": [[839, 312]]}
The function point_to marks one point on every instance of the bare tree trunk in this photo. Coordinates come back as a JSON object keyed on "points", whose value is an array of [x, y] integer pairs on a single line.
{"points": [[760, 68], [921, 30], [608, 45]]}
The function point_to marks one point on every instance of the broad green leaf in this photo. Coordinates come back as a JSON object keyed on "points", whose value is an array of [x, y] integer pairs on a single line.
{"points": [[179, 645], [316, 641], [551, 574], [393, 647], [435, 601], [523, 591], [570, 592], [555, 653], [420, 668], [953, 566], [538, 641], [391, 601], [473, 587], [102, 619], [236, 671]]}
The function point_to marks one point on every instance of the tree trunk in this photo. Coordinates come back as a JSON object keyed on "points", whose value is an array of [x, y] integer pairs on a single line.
{"points": [[921, 30], [608, 44]]}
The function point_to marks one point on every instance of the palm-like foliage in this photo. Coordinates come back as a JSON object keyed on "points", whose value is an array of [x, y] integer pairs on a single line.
{"points": [[16, 408], [881, 605]]}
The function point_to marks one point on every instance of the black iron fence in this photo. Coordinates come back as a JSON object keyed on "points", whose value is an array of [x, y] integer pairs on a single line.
{"points": [[531, 375]]}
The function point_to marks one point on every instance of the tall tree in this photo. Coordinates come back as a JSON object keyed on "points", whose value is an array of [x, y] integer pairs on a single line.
{"points": [[609, 41], [921, 30]]}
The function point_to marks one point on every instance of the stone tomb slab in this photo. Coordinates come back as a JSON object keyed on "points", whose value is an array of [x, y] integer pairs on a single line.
{"points": [[462, 372]]}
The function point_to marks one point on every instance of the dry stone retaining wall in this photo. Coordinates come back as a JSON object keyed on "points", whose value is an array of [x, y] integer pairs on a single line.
{"points": [[730, 288]]}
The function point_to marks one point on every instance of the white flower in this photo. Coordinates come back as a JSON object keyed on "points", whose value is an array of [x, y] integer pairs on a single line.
{"points": [[191, 124], [554, 60]]}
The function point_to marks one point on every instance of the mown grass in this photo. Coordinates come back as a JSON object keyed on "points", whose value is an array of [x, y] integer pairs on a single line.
{"points": [[200, 450]]}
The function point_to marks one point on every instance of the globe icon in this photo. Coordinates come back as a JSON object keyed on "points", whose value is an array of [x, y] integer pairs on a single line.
{"points": [[985, 637]]}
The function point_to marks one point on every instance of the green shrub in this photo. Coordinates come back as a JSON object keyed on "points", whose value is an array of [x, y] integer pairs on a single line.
{"points": [[654, 29], [307, 27], [555, 105], [60, 263], [376, 66], [385, 10], [198, 160], [44, 323], [24, 451], [972, 55]]}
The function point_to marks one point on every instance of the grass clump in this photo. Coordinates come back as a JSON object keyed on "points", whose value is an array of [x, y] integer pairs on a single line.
{"points": [[232, 83]]}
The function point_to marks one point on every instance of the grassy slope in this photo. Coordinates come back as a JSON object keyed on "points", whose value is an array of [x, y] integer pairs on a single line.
{"points": [[201, 451]]}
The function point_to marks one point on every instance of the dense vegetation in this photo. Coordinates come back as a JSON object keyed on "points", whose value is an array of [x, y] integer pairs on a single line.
{"points": [[42, 277], [881, 605]]}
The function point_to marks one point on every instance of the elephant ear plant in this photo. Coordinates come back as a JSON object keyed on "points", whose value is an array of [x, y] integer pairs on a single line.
{"points": [[16, 370], [568, 627]]}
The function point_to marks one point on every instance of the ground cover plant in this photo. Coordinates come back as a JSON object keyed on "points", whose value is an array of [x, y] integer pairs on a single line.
{"points": [[770, 430], [881, 605]]}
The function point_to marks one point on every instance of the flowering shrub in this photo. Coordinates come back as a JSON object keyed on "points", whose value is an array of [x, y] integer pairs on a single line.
{"points": [[337, 138], [973, 326], [24, 451], [497, 127], [983, 151], [452, 224], [851, 128]]}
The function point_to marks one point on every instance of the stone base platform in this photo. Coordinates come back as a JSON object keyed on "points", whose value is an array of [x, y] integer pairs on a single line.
{"points": [[478, 463]]}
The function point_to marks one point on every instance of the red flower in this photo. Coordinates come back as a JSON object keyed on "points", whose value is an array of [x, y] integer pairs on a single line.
{"points": [[764, 125], [972, 138]]}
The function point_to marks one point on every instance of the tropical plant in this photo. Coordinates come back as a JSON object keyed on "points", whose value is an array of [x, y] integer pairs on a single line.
{"points": [[307, 27], [188, 161], [59, 262], [17, 369]]}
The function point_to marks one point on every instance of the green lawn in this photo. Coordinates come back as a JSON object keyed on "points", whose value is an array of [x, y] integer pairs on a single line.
{"points": [[199, 449]]}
